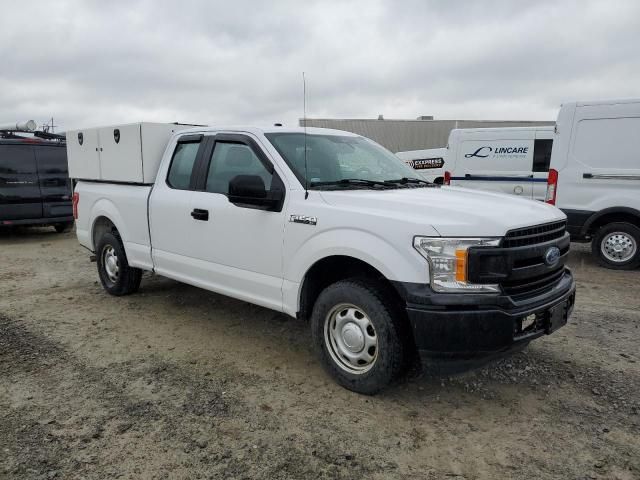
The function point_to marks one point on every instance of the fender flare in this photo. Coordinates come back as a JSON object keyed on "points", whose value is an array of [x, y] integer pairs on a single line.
{"points": [[375, 252], [593, 218]]}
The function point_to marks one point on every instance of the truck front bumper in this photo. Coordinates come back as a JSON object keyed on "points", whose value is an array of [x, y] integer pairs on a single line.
{"points": [[473, 326]]}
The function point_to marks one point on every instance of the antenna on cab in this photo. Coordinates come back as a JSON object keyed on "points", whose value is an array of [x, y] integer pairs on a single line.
{"points": [[304, 124]]}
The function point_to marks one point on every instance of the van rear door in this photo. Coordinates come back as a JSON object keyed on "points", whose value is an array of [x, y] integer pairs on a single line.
{"points": [[55, 185], [19, 189], [541, 160]]}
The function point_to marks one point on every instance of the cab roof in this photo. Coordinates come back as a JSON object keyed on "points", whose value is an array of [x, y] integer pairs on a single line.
{"points": [[270, 129]]}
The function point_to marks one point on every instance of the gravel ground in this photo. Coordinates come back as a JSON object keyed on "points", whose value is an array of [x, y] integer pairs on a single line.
{"points": [[177, 382]]}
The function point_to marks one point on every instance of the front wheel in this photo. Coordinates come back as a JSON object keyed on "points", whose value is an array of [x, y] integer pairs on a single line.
{"points": [[617, 246], [357, 333], [117, 277]]}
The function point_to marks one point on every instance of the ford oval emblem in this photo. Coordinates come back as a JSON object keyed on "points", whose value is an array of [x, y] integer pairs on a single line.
{"points": [[552, 256]]}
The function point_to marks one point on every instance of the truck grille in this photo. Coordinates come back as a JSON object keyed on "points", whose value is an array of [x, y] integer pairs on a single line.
{"points": [[533, 286], [518, 264], [532, 235]]}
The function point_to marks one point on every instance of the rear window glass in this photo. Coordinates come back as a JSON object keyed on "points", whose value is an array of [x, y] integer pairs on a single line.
{"points": [[542, 155], [184, 158], [17, 159], [611, 143], [51, 159]]}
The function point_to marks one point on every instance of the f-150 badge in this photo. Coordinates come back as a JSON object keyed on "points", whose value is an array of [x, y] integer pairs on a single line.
{"points": [[303, 219]]}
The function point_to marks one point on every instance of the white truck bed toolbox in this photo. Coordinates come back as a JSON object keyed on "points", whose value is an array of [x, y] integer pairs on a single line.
{"points": [[128, 153]]}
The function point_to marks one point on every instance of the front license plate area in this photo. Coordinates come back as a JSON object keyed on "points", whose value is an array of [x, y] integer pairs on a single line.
{"points": [[557, 316]]}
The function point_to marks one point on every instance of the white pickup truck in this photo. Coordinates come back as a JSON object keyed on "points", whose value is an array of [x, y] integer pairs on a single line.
{"points": [[327, 226]]}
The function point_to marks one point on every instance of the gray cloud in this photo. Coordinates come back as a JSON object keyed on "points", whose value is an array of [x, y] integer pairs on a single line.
{"points": [[92, 63]]}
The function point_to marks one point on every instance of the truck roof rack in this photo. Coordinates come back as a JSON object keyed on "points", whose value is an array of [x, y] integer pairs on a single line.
{"points": [[11, 131], [36, 137], [50, 136]]}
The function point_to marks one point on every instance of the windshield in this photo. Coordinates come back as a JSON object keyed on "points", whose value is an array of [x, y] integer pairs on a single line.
{"points": [[336, 160]]}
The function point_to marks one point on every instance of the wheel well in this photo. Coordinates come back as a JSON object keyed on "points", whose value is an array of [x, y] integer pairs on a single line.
{"points": [[333, 269], [626, 217], [438, 180], [101, 226]]}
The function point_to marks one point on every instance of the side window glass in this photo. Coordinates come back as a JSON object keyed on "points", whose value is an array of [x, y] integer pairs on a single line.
{"points": [[542, 155], [230, 160], [184, 158]]}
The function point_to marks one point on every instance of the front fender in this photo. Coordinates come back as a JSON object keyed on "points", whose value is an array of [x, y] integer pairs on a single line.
{"points": [[395, 264]]}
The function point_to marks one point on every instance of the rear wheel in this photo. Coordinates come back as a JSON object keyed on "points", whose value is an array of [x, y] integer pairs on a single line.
{"points": [[63, 227], [117, 277], [357, 333], [617, 246]]}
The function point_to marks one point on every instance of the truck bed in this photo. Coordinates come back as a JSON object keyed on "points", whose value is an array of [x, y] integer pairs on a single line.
{"points": [[126, 206]]}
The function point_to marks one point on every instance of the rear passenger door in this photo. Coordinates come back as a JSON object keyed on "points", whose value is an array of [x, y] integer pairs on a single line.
{"points": [[170, 218], [55, 185], [19, 190]]}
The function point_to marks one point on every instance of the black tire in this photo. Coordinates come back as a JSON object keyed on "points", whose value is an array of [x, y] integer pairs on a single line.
{"points": [[629, 237], [127, 279], [63, 227], [389, 330]]}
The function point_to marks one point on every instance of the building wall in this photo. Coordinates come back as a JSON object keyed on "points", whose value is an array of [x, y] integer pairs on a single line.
{"points": [[403, 135]]}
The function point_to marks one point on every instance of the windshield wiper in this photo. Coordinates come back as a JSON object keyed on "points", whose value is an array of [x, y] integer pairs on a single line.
{"points": [[354, 181], [405, 180]]}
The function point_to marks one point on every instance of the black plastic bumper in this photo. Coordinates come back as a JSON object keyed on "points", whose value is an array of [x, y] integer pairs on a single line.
{"points": [[577, 223], [468, 326], [37, 221]]}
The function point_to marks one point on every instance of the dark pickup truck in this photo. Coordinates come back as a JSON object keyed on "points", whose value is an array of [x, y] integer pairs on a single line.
{"points": [[35, 188]]}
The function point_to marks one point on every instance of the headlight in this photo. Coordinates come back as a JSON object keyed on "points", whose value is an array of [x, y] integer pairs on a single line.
{"points": [[447, 259]]}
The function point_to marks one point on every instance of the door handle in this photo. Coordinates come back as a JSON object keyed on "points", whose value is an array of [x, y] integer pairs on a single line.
{"points": [[200, 214]]}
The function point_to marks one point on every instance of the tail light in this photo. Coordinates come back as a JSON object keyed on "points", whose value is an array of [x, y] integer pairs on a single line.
{"points": [[447, 178], [552, 187], [75, 200]]}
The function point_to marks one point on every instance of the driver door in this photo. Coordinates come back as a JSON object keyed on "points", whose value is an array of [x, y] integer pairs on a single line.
{"points": [[239, 247]]}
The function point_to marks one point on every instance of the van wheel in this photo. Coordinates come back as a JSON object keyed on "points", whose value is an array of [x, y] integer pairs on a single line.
{"points": [[617, 246], [117, 277], [358, 335], [63, 227]]}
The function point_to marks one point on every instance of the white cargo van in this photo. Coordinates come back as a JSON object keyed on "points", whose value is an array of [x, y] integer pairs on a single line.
{"points": [[595, 177], [429, 163], [512, 160], [327, 226]]}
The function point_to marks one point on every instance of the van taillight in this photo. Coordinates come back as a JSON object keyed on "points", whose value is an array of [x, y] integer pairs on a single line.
{"points": [[447, 178], [75, 200], [552, 187]]}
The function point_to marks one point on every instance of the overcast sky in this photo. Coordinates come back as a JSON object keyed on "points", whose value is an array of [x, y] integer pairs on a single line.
{"points": [[240, 62]]}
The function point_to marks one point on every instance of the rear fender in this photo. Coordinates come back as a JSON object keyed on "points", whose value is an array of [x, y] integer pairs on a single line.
{"points": [[106, 208]]}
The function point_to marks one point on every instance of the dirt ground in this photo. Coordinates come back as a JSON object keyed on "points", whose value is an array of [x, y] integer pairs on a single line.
{"points": [[177, 382]]}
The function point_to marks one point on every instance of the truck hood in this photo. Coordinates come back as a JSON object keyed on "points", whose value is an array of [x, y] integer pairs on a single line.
{"points": [[451, 211]]}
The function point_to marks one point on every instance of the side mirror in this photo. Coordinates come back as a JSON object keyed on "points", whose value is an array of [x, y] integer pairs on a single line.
{"points": [[249, 191]]}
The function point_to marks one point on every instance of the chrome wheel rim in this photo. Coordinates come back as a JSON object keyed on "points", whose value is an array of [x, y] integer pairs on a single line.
{"points": [[111, 263], [618, 247], [351, 338]]}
